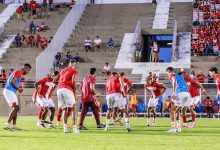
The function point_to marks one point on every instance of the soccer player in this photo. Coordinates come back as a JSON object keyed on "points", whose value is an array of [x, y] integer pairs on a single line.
{"points": [[180, 97], [9, 92], [66, 90], [133, 103], [88, 99], [117, 85], [194, 87], [156, 91], [42, 98], [214, 74]]}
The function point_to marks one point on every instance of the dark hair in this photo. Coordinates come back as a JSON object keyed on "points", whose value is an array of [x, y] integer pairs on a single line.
{"points": [[214, 69], [114, 73], [169, 96], [3, 70], [56, 73], [92, 71], [27, 65], [208, 97], [170, 69], [73, 61], [122, 74]]}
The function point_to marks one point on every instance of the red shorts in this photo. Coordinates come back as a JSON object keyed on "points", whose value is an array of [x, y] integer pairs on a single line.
{"points": [[133, 106]]}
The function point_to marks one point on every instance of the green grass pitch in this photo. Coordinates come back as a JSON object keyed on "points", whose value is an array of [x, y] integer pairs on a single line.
{"points": [[205, 136]]}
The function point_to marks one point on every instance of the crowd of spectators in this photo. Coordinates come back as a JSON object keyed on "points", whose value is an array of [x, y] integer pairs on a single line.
{"points": [[97, 44], [61, 60], [206, 28], [31, 40]]}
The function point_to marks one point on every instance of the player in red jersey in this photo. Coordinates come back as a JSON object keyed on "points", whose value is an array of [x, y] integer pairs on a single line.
{"points": [[42, 98], [194, 87], [88, 93], [214, 74], [117, 86], [66, 91], [156, 91]]}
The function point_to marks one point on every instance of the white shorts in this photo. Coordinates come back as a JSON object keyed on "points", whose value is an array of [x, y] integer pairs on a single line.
{"points": [[153, 102], [110, 100], [10, 97], [182, 99], [66, 98], [120, 101], [196, 100], [43, 102]]}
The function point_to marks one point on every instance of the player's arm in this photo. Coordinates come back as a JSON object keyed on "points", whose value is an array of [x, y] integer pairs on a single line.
{"points": [[74, 81], [36, 85], [201, 87], [173, 79], [121, 85], [163, 89], [92, 88]]}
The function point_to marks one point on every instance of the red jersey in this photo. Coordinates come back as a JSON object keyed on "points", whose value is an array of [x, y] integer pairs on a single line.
{"points": [[110, 86], [208, 103], [154, 89], [193, 90], [87, 95], [65, 78], [45, 88], [3, 77], [195, 45], [218, 82], [202, 36], [34, 6], [117, 85]]}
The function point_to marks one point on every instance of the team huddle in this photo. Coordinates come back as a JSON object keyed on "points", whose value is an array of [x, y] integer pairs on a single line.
{"points": [[186, 95]]}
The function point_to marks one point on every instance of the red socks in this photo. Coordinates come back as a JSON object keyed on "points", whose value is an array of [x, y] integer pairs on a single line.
{"points": [[193, 117], [59, 114], [184, 119]]}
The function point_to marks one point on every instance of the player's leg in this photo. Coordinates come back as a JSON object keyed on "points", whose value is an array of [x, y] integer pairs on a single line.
{"points": [[172, 118], [154, 115], [95, 111], [110, 103], [52, 114], [84, 111], [193, 115], [40, 116], [148, 115], [184, 117], [178, 124], [59, 115]]}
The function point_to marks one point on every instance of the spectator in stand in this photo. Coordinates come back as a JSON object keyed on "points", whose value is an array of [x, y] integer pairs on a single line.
{"points": [[31, 40], [24, 41], [200, 77], [44, 5], [97, 42], [3, 78], [154, 2], [209, 107], [210, 79], [87, 44], [77, 58], [43, 43], [138, 50], [106, 69], [34, 8], [69, 57], [110, 44], [92, 2], [51, 5], [18, 40], [10, 72], [155, 51], [42, 26], [32, 28], [20, 12], [192, 74], [38, 40], [25, 6], [57, 61]]}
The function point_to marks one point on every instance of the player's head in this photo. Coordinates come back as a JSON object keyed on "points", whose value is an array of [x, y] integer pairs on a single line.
{"points": [[169, 97], [114, 74], [169, 70], [54, 74], [25, 69], [93, 71], [213, 71], [73, 63], [122, 74], [149, 81]]}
